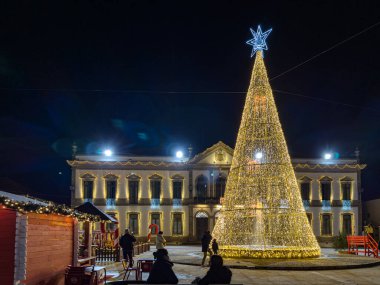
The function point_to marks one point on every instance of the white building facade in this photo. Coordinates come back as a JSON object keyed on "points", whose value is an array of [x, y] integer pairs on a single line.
{"points": [[183, 196]]}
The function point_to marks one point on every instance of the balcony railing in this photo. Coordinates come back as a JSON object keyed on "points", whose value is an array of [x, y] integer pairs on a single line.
{"points": [[206, 200], [306, 204], [110, 203], [177, 203], [154, 203], [326, 205], [346, 205]]}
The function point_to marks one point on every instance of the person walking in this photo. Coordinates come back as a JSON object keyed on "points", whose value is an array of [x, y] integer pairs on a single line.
{"points": [[126, 243], [218, 274], [215, 246], [160, 241], [162, 272], [206, 239]]}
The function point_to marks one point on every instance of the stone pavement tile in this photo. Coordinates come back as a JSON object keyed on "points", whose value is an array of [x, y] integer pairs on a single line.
{"points": [[187, 273]]}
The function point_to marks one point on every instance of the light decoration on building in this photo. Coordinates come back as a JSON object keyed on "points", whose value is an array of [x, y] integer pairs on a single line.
{"points": [[262, 214], [51, 208]]}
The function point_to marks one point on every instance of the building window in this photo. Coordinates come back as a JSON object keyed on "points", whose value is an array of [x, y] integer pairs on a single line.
{"points": [[202, 185], [220, 187], [155, 188], [346, 190], [155, 219], [347, 224], [326, 225], [111, 191], [133, 188], [177, 189], [88, 188], [111, 187], [134, 223], [305, 186], [177, 224], [326, 188]]}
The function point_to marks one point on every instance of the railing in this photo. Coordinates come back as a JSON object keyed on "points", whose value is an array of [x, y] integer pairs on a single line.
{"points": [[177, 203], [154, 202], [346, 205], [104, 254], [326, 205], [110, 203], [373, 248]]}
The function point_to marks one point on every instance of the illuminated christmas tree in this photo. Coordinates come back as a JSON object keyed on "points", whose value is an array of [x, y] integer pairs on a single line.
{"points": [[262, 214]]}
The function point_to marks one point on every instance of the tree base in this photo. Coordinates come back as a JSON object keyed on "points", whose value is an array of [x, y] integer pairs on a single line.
{"points": [[236, 251]]}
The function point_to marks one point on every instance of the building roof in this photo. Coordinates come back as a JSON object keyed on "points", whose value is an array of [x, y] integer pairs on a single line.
{"points": [[94, 161]]}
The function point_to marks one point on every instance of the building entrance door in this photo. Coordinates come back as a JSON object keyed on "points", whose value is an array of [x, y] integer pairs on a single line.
{"points": [[201, 226]]}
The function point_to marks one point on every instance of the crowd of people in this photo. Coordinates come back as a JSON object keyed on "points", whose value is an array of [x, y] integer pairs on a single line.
{"points": [[162, 270]]}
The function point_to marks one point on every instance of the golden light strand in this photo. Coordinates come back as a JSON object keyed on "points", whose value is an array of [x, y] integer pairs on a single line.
{"points": [[262, 215]]}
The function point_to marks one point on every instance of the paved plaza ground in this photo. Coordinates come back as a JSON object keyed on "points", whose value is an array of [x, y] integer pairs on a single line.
{"points": [[192, 255]]}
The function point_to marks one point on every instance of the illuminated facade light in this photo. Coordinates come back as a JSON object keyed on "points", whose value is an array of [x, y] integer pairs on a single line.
{"points": [[179, 154], [327, 156], [108, 152]]}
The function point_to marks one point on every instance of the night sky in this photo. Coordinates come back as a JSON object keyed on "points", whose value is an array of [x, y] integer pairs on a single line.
{"points": [[148, 77]]}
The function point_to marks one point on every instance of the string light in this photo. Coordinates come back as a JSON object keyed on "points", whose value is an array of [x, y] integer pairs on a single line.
{"points": [[262, 214], [27, 207]]}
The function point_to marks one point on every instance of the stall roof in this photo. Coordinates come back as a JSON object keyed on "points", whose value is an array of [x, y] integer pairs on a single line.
{"points": [[90, 208], [23, 199]]}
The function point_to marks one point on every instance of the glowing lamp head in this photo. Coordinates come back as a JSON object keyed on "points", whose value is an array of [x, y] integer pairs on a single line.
{"points": [[258, 155], [327, 156], [179, 154], [107, 152]]}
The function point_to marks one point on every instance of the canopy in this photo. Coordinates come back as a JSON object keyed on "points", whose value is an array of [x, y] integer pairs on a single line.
{"points": [[90, 208]]}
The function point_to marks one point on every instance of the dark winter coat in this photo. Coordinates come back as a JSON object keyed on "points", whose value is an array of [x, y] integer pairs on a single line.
{"points": [[126, 241], [220, 275], [206, 239], [215, 247], [162, 272]]}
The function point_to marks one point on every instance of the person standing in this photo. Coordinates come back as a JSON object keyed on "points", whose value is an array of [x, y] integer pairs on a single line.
{"points": [[215, 246], [160, 241], [126, 243], [206, 239]]}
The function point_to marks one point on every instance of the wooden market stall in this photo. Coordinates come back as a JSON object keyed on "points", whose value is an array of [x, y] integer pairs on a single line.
{"points": [[37, 240]]}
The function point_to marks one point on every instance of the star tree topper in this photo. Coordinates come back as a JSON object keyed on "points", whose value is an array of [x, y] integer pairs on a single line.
{"points": [[258, 41]]}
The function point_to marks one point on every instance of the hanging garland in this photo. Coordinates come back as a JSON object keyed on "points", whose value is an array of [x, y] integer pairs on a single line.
{"points": [[51, 208]]}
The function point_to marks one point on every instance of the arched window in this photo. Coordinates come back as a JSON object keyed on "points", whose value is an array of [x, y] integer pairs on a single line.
{"points": [[202, 185], [220, 186]]}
